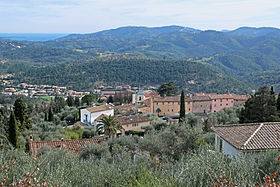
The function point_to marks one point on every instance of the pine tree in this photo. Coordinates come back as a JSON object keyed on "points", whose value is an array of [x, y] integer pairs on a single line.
{"points": [[50, 115], [182, 107], [13, 130], [21, 114]]}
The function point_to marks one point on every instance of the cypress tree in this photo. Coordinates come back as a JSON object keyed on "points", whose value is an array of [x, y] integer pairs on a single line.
{"points": [[50, 115], [21, 114], [70, 101], [77, 102], [278, 103], [182, 107], [13, 130], [46, 116]]}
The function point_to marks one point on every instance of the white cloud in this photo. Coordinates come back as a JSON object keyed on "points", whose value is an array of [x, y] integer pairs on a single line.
{"points": [[94, 15]]}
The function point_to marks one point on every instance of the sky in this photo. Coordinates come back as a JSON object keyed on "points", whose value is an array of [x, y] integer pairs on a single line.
{"points": [[88, 16]]}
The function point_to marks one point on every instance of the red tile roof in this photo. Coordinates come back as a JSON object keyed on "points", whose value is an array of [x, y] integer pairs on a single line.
{"points": [[200, 98], [99, 108], [221, 96], [256, 136], [73, 146]]}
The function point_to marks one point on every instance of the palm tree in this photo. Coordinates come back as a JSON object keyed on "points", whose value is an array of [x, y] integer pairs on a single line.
{"points": [[109, 126]]}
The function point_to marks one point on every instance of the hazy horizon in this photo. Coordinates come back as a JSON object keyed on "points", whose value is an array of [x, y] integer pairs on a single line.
{"points": [[67, 33], [90, 16]]}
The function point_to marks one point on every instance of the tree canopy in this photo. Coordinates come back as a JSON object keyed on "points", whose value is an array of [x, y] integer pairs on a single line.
{"points": [[167, 89], [261, 107]]}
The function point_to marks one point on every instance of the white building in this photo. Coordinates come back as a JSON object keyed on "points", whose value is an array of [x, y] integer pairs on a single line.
{"points": [[91, 115], [232, 139]]}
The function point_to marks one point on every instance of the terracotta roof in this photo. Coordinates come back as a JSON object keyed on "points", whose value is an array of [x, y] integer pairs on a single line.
{"points": [[132, 119], [73, 146], [99, 108], [167, 98], [221, 96], [200, 98], [256, 136]]}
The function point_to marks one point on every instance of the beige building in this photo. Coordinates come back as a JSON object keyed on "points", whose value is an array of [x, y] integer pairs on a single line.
{"points": [[201, 104], [134, 123], [169, 105]]}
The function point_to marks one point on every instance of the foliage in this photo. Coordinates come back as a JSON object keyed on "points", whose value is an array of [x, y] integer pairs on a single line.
{"points": [[50, 116], [109, 126], [13, 130], [110, 99], [70, 101], [73, 133], [167, 89], [223, 117], [89, 99], [182, 107], [260, 108], [21, 114]]}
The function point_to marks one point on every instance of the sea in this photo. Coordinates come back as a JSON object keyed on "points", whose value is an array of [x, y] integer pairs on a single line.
{"points": [[32, 36]]}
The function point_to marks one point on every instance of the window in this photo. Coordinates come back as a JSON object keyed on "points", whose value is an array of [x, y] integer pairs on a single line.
{"points": [[204, 111], [189, 102], [227, 104], [221, 104], [215, 105], [172, 110], [189, 109], [173, 103], [168, 103], [162, 103], [221, 100], [168, 110], [86, 118], [215, 99], [200, 105], [140, 98], [227, 99]]}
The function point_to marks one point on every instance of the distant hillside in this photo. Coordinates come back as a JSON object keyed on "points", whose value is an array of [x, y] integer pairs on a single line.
{"points": [[172, 42], [197, 60], [254, 32], [193, 76]]}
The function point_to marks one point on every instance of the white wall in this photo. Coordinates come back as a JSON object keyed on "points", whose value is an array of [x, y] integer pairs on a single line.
{"points": [[227, 149], [91, 117], [83, 117], [97, 114]]}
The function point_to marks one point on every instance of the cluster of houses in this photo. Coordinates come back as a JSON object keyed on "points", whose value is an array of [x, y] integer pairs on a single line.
{"points": [[146, 102], [230, 139], [31, 90]]}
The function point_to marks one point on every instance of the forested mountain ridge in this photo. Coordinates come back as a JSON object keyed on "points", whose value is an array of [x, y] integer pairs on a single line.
{"points": [[137, 55], [82, 75], [172, 42]]}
